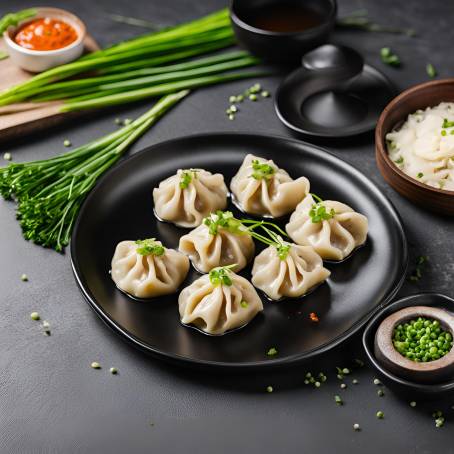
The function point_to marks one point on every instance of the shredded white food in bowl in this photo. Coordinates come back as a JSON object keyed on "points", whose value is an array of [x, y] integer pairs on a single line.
{"points": [[423, 147]]}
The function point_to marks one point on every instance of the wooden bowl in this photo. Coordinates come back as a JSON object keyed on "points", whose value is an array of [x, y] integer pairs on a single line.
{"points": [[428, 94], [428, 372], [408, 388]]}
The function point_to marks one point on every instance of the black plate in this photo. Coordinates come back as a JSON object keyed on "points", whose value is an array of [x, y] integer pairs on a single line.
{"points": [[120, 208], [314, 104], [406, 388]]}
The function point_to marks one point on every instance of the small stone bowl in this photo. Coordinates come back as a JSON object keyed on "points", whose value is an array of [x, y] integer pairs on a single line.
{"points": [[428, 372], [431, 380]]}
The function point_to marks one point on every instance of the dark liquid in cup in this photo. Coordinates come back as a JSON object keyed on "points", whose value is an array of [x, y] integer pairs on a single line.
{"points": [[285, 18]]}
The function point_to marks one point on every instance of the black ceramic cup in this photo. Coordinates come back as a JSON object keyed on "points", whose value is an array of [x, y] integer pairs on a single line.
{"points": [[277, 46]]}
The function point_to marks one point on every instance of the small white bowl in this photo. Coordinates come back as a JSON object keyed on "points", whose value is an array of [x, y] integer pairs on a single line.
{"points": [[40, 60]]}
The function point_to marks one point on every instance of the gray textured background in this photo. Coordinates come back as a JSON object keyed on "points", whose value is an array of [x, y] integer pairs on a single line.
{"points": [[50, 398]]}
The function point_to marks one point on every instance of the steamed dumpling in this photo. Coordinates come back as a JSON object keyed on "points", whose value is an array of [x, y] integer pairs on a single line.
{"points": [[189, 196], [262, 188], [145, 269], [218, 242], [334, 238], [219, 302], [290, 271]]}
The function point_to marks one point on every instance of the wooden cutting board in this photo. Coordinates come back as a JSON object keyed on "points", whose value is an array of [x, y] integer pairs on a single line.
{"points": [[25, 118]]}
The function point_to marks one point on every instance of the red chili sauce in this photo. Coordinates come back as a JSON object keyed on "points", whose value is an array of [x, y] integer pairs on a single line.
{"points": [[45, 34]]}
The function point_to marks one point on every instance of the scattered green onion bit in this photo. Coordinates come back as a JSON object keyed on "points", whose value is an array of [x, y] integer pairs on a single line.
{"points": [[269, 389], [380, 393], [420, 175], [422, 340], [338, 400], [413, 404], [232, 99], [343, 386], [244, 304], [265, 94], [233, 108], [317, 384], [150, 247], [253, 97], [356, 427], [231, 117], [388, 57], [443, 132], [420, 264], [95, 365], [377, 382], [380, 415], [447, 123], [400, 160], [272, 352], [127, 121], [67, 143], [34, 316], [7, 156], [46, 327], [24, 278], [113, 370], [118, 121], [431, 71]]}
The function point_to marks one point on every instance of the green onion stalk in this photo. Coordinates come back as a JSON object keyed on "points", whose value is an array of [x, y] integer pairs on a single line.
{"points": [[150, 65], [49, 192]]}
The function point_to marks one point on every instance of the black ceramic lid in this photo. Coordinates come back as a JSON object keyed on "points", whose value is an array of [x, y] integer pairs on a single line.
{"points": [[333, 95]]}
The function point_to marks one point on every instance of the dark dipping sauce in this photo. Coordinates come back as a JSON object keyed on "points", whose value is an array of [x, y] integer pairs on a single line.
{"points": [[285, 18]]}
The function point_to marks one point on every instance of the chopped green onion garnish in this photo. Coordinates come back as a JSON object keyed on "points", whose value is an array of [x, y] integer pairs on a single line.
{"points": [[269, 389], [262, 170], [272, 352], [380, 415], [113, 370], [34, 316], [24, 278], [220, 275], [95, 365], [7, 157], [67, 143], [149, 247]]}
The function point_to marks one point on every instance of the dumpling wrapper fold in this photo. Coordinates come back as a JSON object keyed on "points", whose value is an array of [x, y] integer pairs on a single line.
{"points": [[187, 207], [292, 277], [148, 276], [273, 197], [332, 239], [217, 309]]}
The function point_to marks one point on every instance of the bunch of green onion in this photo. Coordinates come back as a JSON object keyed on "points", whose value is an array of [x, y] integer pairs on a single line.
{"points": [[151, 65], [49, 192]]}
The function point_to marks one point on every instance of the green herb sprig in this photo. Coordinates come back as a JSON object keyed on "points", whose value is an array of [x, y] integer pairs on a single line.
{"points": [[150, 247], [226, 220], [318, 212], [49, 192], [262, 171], [220, 275]]}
